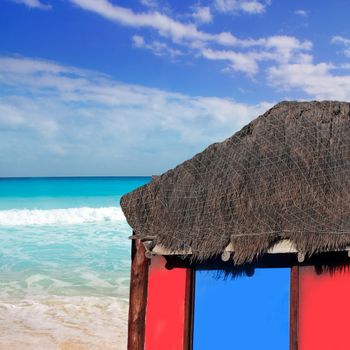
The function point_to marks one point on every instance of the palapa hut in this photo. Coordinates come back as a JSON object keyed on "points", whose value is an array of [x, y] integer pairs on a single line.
{"points": [[245, 246]]}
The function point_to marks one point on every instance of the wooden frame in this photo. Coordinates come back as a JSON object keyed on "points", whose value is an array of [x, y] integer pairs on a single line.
{"points": [[294, 307], [138, 296], [139, 287], [138, 299], [139, 284], [189, 309]]}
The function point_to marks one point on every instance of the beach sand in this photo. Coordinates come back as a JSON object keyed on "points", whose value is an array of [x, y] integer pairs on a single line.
{"points": [[64, 323]]}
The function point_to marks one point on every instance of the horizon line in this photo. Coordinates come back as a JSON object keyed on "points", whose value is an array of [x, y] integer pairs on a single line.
{"points": [[71, 176]]}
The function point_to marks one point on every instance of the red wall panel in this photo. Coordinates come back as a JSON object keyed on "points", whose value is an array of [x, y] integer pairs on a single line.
{"points": [[167, 306], [324, 310]]}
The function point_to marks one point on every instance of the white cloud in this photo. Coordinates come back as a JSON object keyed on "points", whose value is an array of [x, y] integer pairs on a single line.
{"points": [[167, 27], [281, 49], [341, 40], [34, 4], [316, 80], [238, 61], [236, 6], [345, 42], [301, 13], [82, 122], [285, 45], [245, 58], [202, 14], [138, 41], [158, 48], [149, 3], [163, 24], [10, 116]]}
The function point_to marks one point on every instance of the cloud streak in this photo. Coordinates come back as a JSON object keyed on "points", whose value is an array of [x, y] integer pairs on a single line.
{"points": [[61, 120], [236, 6], [301, 13], [202, 14], [165, 25], [280, 49], [158, 48], [33, 4], [344, 42], [241, 54], [321, 80]]}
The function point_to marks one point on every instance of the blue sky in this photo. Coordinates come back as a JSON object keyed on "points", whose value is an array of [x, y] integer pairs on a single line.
{"points": [[106, 87]]}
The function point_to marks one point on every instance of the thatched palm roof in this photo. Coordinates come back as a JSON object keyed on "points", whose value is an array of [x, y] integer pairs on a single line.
{"points": [[286, 175]]}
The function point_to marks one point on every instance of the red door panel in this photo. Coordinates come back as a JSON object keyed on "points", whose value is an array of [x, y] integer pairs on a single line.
{"points": [[167, 306], [324, 309]]}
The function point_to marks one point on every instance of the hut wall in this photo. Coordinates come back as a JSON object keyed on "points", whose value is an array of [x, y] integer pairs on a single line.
{"points": [[242, 312], [167, 311], [324, 309]]}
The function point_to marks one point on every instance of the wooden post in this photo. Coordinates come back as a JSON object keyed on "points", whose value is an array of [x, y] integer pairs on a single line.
{"points": [[294, 307], [189, 309], [138, 296]]}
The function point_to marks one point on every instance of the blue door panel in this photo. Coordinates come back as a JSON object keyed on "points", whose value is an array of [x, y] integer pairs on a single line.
{"points": [[242, 313]]}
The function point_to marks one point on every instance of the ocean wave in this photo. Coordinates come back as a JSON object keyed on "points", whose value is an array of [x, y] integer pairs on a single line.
{"points": [[83, 283], [69, 216]]}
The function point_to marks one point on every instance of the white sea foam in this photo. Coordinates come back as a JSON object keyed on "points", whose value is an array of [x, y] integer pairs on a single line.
{"points": [[69, 216]]}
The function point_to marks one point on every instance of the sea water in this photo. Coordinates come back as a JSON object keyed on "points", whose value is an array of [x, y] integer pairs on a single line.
{"points": [[64, 263]]}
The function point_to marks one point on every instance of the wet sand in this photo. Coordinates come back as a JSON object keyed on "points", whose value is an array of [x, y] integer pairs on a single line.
{"points": [[64, 323]]}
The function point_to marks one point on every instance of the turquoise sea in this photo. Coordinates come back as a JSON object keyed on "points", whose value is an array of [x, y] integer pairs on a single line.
{"points": [[64, 262]]}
